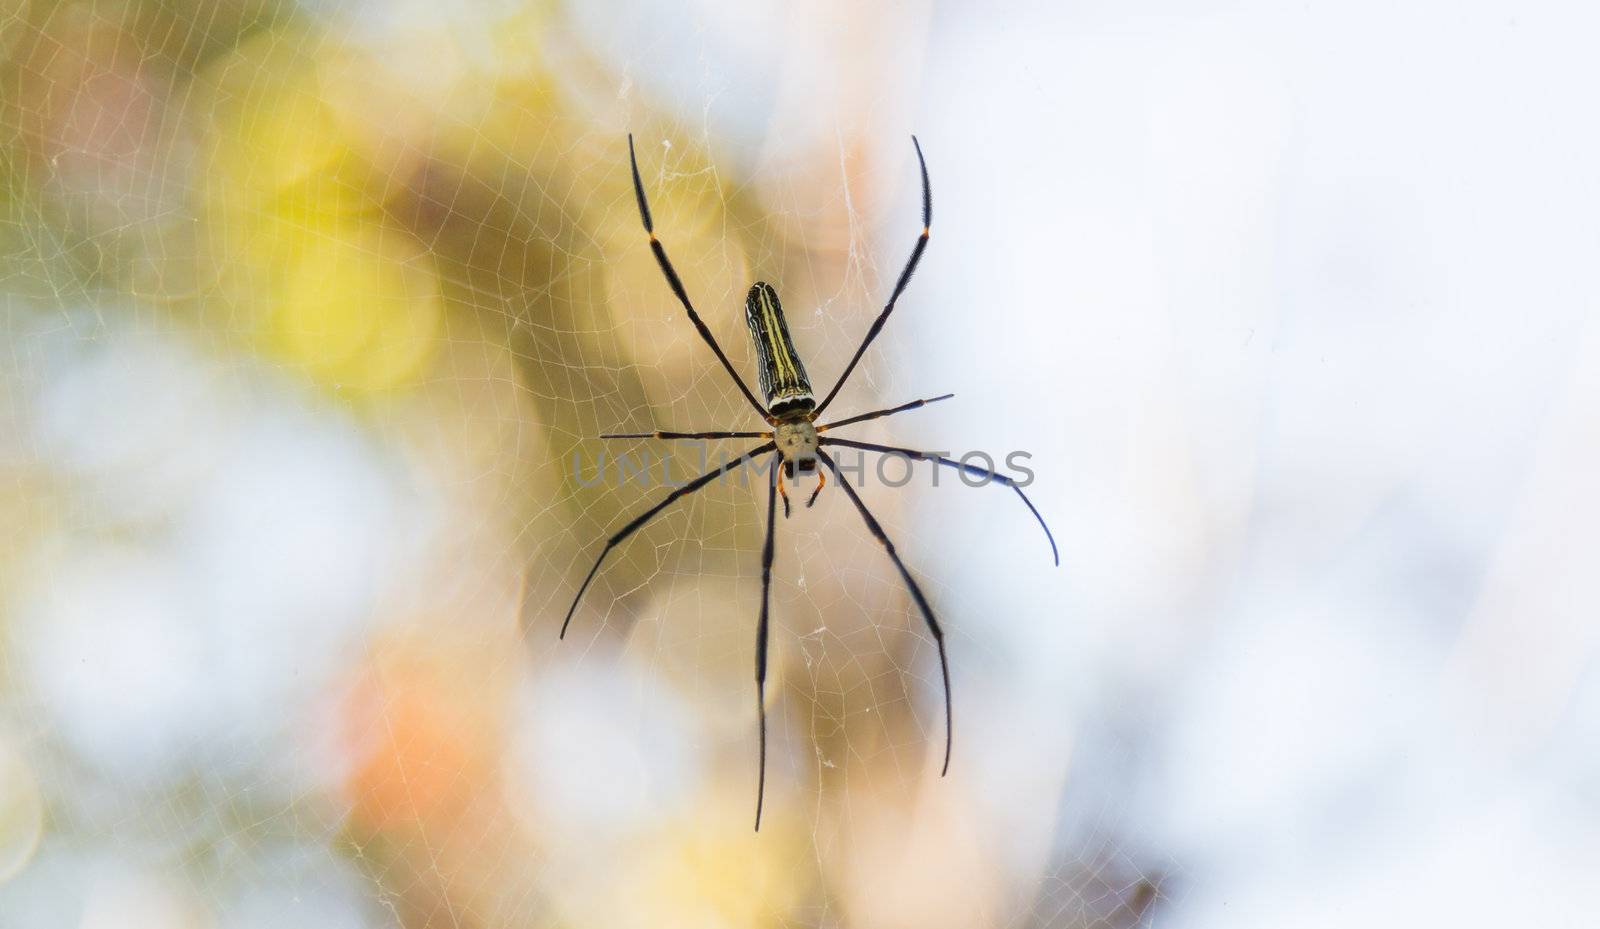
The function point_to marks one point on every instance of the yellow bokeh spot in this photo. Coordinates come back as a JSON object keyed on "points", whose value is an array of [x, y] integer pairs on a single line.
{"points": [[360, 307], [277, 142], [714, 871], [287, 142], [296, 247]]}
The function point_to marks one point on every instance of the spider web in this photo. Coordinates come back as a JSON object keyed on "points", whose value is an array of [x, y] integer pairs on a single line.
{"points": [[313, 314]]}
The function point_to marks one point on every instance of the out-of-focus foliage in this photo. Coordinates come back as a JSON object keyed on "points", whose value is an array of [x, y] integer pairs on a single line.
{"points": [[307, 311]]}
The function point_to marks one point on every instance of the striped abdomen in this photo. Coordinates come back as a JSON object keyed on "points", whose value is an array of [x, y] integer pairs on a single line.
{"points": [[783, 377]]}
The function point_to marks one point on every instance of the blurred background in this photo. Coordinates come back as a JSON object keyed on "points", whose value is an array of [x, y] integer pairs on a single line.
{"points": [[309, 307]]}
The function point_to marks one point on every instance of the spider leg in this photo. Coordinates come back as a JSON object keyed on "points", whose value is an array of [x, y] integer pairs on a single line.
{"points": [[822, 478], [761, 634], [783, 492], [984, 473], [649, 514], [916, 594], [677, 285], [876, 414], [900, 285], [686, 435]]}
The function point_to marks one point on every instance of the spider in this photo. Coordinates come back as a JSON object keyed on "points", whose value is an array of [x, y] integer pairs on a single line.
{"points": [[792, 413]]}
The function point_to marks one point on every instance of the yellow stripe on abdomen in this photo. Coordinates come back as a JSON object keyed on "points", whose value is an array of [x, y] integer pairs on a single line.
{"points": [[783, 376]]}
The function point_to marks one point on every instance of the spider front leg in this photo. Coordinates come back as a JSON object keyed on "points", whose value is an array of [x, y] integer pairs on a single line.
{"points": [[784, 468], [899, 286], [671, 274]]}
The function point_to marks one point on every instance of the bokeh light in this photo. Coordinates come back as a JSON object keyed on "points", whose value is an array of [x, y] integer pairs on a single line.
{"points": [[312, 313]]}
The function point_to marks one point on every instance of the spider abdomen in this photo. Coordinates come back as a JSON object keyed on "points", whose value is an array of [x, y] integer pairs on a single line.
{"points": [[783, 376]]}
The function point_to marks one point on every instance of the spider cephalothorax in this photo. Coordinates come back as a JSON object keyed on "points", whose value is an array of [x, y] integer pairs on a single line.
{"points": [[795, 437], [797, 444]]}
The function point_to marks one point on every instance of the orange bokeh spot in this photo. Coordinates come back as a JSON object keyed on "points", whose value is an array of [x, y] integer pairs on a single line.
{"points": [[424, 733]]}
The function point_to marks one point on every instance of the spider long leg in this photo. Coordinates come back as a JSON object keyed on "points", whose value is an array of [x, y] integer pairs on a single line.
{"points": [[974, 470], [916, 594], [900, 285], [878, 414], [677, 285], [649, 514], [761, 634], [687, 435]]}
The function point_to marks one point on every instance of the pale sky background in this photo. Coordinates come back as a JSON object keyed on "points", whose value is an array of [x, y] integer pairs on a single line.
{"points": [[1292, 305]]}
